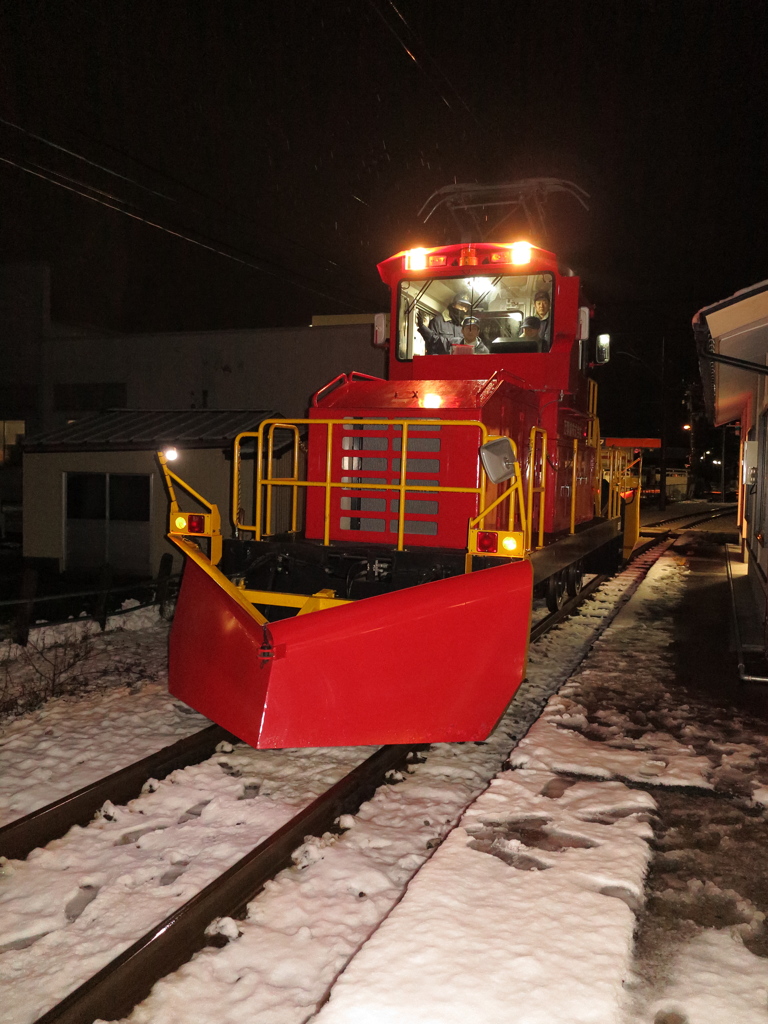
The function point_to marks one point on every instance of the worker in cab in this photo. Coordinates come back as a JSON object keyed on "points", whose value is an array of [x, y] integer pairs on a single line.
{"points": [[543, 307], [444, 329], [470, 338], [530, 339]]}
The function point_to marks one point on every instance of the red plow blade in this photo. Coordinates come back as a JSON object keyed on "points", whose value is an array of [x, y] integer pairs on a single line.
{"points": [[434, 663]]}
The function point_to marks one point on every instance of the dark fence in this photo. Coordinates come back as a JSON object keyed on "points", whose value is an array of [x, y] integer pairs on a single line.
{"points": [[97, 603]]}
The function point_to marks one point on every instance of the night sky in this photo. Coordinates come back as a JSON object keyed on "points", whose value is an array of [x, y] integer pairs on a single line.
{"points": [[303, 138]]}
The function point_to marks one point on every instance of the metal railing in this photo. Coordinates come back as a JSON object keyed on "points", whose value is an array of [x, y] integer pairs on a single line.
{"points": [[265, 482], [614, 465], [593, 428], [537, 470], [574, 480]]}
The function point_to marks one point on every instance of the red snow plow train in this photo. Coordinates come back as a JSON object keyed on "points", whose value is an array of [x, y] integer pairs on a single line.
{"points": [[387, 548]]}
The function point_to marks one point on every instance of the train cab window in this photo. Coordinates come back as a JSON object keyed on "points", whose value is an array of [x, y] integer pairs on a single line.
{"points": [[475, 315]]}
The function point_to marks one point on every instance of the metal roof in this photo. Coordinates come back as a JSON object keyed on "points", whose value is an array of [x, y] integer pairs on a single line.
{"points": [[737, 328], [130, 430]]}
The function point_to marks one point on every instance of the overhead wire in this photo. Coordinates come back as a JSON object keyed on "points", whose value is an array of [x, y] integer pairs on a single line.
{"points": [[425, 50], [95, 16], [327, 265], [211, 245], [191, 188], [79, 156]]}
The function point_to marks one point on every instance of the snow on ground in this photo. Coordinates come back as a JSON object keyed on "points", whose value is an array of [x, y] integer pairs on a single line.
{"points": [[123, 713], [700, 993], [72, 907], [543, 931], [445, 898], [521, 915], [304, 928]]}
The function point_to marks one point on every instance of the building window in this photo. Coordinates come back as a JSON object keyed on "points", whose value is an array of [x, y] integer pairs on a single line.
{"points": [[90, 397], [11, 432], [120, 497], [107, 522]]}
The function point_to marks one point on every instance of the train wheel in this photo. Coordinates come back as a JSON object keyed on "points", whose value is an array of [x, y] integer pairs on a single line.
{"points": [[574, 579], [556, 591]]}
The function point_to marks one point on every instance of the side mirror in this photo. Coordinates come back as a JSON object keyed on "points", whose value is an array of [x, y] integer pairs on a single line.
{"points": [[583, 323], [603, 348], [380, 330], [499, 460]]}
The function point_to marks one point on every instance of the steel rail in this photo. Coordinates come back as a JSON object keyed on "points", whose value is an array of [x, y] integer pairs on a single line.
{"points": [[20, 837], [699, 517], [113, 992], [568, 608]]}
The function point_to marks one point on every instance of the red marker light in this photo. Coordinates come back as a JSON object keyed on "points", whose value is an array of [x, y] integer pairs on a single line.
{"points": [[488, 542], [196, 524]]}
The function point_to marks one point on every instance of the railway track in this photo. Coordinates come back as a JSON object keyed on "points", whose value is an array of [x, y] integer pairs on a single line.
{"points": [[38, 828], [121, 984], [698, 517]]}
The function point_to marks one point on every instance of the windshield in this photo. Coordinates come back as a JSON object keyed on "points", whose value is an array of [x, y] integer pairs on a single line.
{"points": [[478, 315]]}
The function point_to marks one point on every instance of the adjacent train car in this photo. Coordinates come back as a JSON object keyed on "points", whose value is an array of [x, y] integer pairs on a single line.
{"points": [[386, 548]]}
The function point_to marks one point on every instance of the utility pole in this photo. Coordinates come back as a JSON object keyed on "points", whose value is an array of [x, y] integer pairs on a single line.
{"points": [[722, 465], [663, 449]]}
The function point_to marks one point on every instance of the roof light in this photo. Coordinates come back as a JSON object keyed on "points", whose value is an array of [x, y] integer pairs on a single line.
{"points": [[499, 257], [416, 259], [431, 401], [437, 261], [468, 257], [521, 252], [171, 454]]}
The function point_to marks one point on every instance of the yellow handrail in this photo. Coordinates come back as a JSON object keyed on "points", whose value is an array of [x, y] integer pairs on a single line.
{"points": [[213, 511], [514, 491], [573, 484], [403, 468], [613, 469], [593, 430], [534, 488], [294, 467], [268, 482]]}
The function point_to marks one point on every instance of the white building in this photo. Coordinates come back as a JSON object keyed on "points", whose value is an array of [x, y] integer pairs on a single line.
{"points": [[732, 340]]}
